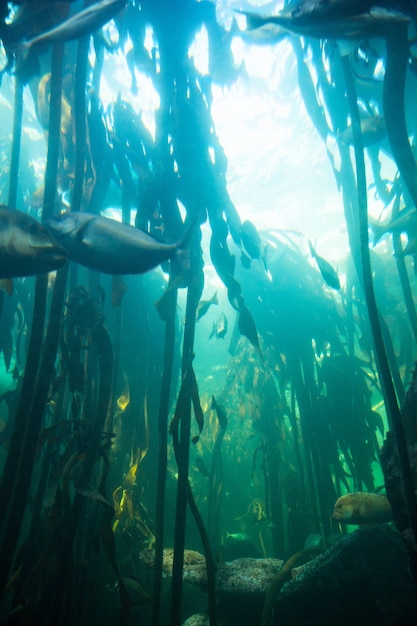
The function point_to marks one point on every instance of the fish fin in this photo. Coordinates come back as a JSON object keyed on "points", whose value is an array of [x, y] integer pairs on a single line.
{"points": [[187, 234], [65, 226], [253, 20], [182, 255], [215, 299], [377, 231], [84, 236]]}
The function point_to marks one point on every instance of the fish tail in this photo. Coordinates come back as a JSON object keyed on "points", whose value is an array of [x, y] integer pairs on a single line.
{"points": [[182, 255], [253, 20], [377, 232], [188, 232], [182, 259]]}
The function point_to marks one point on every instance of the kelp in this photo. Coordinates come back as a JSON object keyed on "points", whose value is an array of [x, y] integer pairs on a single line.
{"points": [[216, 477], [80, 122], [181, 433], [322, 442], [164, 403], [280, 578], [30, 411], [17, 133], [296, 369], [394, 42], [355, 199], [65, 592], [403, 273]]}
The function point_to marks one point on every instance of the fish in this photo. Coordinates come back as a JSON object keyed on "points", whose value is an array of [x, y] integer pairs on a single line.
{"points": [[204, 305], [314, 540], [237, 536], [312, 11], [411, 245], [26, 246], [220, 327], [375, 22], [362, 508], [111, 247], [252, 243], [404, 222], [83, 23], [328, 273]]}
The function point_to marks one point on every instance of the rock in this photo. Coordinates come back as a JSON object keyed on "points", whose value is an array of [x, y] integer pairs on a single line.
{"points": [[199, 619], [241, 588], [363, 580], [241, 584], [194, 571], [242, 576], [247, 575]]}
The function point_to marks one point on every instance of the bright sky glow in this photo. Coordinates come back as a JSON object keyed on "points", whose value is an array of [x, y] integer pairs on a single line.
{"points": [[279, 174]]}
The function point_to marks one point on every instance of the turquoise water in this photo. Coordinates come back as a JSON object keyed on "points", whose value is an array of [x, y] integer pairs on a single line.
{"points": [[222, 165]]}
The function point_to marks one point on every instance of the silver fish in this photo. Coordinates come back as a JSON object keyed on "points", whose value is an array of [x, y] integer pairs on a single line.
{"points": [[252, 244], [204, 305], [110, 247], [87, 21], [404, 222], [377, 22], [320, 10], [327, 271], [220, 327], [26, 246]]}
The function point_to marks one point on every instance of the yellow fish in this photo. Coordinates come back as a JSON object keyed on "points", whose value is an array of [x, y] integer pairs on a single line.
{"points": [[362, 508]]}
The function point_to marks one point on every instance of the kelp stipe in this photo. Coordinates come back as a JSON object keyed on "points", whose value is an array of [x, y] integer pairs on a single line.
{"points": [[382, 361]]}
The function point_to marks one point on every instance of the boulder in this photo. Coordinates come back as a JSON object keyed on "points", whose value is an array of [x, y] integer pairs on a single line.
{"points": [[363, 580]]}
